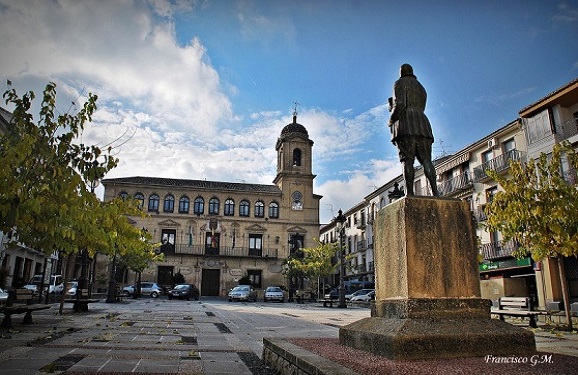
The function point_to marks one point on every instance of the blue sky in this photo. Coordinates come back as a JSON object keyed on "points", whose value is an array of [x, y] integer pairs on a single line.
{"points": [[202, 89]]}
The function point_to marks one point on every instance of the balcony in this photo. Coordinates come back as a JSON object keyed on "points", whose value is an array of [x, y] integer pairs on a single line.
{"points": [[458, 183], [498, 250], [498, 164], [238, 252], [571, 176], [361, 268], [567, 129], [480, 214], [361, 245]]}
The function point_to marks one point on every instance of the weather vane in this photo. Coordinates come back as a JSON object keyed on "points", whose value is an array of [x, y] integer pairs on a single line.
{"points": [[295, 104]]}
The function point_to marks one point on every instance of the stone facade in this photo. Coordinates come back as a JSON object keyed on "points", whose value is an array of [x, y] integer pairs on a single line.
{"points": [[214, 233]]}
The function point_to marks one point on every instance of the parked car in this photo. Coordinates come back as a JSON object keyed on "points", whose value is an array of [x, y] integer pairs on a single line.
{"points": [[184, 291], [3, 296], [274, 293], [358, 293], [56, 284], [71, 288], [146, 288], [243, 293], [350, 288], [364, 297]]}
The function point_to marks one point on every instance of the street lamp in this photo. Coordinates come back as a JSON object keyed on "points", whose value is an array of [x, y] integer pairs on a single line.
{"points": [[340, 221]]}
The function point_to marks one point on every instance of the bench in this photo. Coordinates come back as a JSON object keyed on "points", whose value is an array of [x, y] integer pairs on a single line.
{"points": [[20, 302], [80, 304], [327, 301], [517, 306]]}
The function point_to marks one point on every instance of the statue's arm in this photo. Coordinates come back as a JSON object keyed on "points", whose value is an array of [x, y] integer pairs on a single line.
{"points": [[399, 105]]}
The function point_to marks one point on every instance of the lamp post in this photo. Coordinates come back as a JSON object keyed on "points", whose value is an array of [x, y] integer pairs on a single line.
{"points": [[340, 221]]}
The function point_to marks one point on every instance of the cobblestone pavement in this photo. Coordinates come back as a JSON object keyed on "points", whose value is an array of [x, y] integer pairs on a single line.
{"points": [[168, 337]]}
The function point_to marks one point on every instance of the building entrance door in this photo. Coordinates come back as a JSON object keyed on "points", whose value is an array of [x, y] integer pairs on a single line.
{"points": [[211, 282], [165, 276]]}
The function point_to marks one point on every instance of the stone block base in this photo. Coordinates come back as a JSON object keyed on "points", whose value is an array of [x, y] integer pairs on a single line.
{"points": [[405, 339]]}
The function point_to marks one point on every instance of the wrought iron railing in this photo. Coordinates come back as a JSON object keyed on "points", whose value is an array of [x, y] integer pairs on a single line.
{"points": [[480, 214], [240, 252], [497, 250], [457, 183], [567, 129], [497, 164]]}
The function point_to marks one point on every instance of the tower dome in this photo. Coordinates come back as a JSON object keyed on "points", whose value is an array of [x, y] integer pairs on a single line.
{"points": [[294, 127]]}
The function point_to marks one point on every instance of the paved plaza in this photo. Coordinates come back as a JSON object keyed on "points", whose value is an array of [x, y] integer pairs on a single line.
{"points": [[162, 336]]}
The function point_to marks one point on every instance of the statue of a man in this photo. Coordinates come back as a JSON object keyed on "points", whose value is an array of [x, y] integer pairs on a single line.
{"points": [[410, 128]]}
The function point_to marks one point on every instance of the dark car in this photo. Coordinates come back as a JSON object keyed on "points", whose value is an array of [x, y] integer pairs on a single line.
{"points": [[184, 291]]}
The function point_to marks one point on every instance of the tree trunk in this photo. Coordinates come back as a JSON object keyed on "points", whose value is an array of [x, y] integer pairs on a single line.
{"points": [[110, 296], [565, 292]]}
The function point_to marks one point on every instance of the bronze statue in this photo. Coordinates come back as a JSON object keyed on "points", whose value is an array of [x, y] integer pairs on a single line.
{"points": [[410, 128]]}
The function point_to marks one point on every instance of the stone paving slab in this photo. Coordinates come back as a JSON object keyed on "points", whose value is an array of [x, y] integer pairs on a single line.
{"points": [[157, 337]]}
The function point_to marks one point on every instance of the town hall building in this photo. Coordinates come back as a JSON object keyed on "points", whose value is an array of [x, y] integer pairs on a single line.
{"points": [[214, 233]]}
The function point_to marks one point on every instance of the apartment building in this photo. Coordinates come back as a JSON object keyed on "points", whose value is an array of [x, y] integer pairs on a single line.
{"points": [[214, 233]]}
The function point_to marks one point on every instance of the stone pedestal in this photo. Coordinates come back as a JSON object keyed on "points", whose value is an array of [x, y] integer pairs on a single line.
{"points": [[428, 302]]}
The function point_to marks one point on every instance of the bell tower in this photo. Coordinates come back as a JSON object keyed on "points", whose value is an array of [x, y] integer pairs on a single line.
{"points": [[294, 175]]}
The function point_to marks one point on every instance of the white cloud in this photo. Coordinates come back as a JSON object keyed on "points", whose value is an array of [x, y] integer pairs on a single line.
{"points": [[350, 191], [120, 51], [162, 106]]}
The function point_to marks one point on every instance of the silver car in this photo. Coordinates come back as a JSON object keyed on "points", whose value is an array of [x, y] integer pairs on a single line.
{"points": [[146, 288], [243, 293], [274, 293]]}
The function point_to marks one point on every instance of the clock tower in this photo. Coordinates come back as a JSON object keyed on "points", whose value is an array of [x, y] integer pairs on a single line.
{"points": [[295, 179]]}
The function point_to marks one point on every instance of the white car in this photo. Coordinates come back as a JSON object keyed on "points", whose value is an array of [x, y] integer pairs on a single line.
{"points": [[56, 284], [364, 297], [274, 293], [71, 288], [359, 292]]}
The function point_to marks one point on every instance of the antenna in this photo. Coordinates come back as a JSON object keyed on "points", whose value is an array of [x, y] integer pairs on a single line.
{"points": [[445, 150]]}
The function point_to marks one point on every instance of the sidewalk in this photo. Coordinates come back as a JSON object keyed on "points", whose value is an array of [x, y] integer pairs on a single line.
{"points": [[148, 336]]}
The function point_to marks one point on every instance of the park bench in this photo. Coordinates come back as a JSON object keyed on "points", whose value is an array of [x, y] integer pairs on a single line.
{"points": [[517, 306], [20, 302], [80, 303], [327, 301]]}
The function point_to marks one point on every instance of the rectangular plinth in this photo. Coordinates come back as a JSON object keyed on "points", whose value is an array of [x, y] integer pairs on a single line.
{"points": [[405, 339], [425, 248]]}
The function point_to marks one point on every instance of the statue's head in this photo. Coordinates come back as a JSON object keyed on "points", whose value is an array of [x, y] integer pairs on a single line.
{"points": [[405, 70]]}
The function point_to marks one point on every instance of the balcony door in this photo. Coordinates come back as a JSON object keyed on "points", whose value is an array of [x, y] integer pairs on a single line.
{"points": [[212, 243]]}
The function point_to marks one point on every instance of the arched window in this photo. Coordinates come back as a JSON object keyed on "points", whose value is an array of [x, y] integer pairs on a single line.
{"points": [[154, 203], [259, 209], [297, 157], [199, 206], [184, 205], [229, 207], [244, 208], [214, 206], [169, 205], [123, 195], [139, 197], [274, 210]]}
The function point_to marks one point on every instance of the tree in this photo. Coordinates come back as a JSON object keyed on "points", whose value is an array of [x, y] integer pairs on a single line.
{"points": [[539, 210], [138, 258], [317, 262], [45, 179], [44, 194]]}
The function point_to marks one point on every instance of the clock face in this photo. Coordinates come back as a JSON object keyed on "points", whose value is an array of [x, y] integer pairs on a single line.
{"points": [[296, 202]]}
